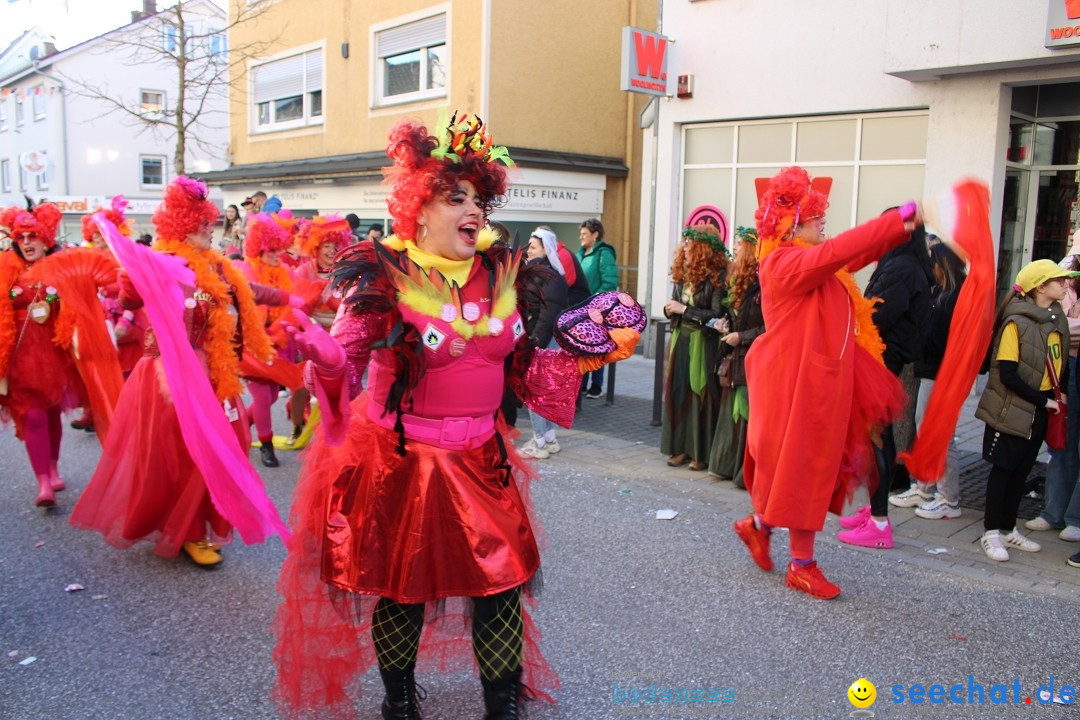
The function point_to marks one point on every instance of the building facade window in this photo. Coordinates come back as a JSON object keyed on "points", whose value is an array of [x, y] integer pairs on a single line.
{"points": [[41, 179], [288, 92], [37, 101], [413, 61], [152, 171], [18, 108], [875, 160], [152, 103], [23, 175], [3, 114], [218, 47], [5, 175]]}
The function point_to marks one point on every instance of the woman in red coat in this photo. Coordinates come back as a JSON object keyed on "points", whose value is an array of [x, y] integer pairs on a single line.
{"points": [[817, 366]]}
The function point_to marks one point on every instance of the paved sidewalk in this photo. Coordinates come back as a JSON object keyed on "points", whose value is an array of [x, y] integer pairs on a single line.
{"points": [[619, 442]]}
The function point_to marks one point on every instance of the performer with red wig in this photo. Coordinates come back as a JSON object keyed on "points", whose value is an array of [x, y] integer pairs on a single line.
{"points": [[265, 243], [148, 485], [127, 327], [319, 240], [412, 497], [818, 367], [38, 377]]}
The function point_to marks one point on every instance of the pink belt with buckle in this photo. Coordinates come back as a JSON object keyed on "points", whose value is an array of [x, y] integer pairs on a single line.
{"points": [[452, 433]]}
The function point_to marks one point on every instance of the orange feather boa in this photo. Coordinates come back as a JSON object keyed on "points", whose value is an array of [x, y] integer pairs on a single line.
{"points": [[866, 332], [277, 276], [11, 266], [209, 266]]}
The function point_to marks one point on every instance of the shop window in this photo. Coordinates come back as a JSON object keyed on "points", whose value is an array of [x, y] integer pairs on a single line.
{"points": [[746, 194], [413, 61], [707, 186], [709, 145], [765, 143], [288, 92], [882, 186], [895, 138], [825, 141]]}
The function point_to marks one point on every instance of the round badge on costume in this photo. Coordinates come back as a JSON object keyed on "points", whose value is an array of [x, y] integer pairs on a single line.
{"points": [[626, 299], [471, 311], [495, 326], [190, 303], [448, 313], [596, 316], [457, 347]]}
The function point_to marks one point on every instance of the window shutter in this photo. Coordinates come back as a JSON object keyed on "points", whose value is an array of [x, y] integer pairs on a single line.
{"points": [[314, 70], [420, 34], [279, 79]]}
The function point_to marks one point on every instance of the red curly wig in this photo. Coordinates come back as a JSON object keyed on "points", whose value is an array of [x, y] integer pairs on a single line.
{"points": [[696, 261], [114, 214], [42, 222], [264, 234], [416, 176], [789, 201], [321, 229], [743, 272], [185, 209]]}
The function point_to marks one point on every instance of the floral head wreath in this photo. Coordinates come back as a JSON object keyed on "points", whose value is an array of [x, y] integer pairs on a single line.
{"points": [[705, 233], [747, 234], [469, 135]]}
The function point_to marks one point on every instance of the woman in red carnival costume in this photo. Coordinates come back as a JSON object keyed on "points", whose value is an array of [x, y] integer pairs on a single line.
{"points": [[147, 485], [128, 327], [37, 371], [413, 499], [818, 366], [320, 240], [265, 243]]}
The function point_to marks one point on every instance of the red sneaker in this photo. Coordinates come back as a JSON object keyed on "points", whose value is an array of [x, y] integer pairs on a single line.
{"points": [[757, 542], [810, 580]]}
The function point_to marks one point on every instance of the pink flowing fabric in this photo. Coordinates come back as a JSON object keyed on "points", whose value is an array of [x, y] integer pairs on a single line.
{"points": [[235, 488], [969, 332]]}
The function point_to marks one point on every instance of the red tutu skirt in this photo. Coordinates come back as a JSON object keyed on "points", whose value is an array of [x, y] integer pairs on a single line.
{"points": [[435, 526], [40, 374], [146, 486]]}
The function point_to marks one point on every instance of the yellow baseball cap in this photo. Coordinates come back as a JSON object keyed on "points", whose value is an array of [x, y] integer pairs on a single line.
{"points": [[1036, 273]]}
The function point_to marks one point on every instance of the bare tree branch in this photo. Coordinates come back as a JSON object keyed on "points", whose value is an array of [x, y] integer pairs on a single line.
{"points": [[182, 41]]}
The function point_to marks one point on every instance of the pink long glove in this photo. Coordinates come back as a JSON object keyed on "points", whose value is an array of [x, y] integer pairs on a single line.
{"points": [[316, 345]]}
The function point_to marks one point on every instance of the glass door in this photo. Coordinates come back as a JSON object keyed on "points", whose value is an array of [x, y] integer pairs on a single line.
{"points": [[1056, 214], [1013, 251]]}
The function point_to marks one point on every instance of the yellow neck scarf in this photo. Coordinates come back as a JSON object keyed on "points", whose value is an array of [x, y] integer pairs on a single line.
{"points": [[455, 270]]}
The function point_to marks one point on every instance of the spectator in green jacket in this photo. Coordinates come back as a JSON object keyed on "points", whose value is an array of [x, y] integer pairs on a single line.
{"points": [[598, 263]]}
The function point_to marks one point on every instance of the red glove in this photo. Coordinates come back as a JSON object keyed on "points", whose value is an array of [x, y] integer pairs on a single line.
{"points": [[316, 345]]}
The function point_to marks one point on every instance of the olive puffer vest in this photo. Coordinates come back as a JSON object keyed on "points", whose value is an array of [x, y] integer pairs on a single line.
{"points": [[1001, 409]]}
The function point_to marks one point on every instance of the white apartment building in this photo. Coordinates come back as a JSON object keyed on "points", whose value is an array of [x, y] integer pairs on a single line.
{"points": [[893, 99], [59, 143]]}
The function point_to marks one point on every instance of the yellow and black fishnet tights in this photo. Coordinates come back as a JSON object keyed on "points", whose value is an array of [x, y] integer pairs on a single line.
{"points": [[497, 633]]}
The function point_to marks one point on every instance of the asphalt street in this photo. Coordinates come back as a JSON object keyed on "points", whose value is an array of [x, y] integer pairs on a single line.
{"points": [[630, 604]]}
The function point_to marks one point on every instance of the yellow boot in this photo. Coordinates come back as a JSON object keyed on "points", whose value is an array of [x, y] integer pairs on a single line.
{"points": [[203, 553]]}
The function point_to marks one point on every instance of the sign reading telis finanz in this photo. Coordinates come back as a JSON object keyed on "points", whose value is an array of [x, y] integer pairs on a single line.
{"points": [[644, 62], [1062, 23]]}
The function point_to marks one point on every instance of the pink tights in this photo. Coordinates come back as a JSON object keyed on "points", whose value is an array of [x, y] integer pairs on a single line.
{"points": [[42, 431], [263, 395]]}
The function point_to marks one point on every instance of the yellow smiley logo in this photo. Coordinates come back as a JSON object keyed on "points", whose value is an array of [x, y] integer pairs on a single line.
{"points": [[862, 693]]}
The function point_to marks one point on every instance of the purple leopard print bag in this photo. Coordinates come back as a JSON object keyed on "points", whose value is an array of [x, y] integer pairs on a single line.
{"points": [[583, 329]]}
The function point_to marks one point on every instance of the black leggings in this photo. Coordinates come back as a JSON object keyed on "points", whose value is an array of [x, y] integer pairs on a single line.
{"points": [[1006, 482], [886, 465], [498, 632]]}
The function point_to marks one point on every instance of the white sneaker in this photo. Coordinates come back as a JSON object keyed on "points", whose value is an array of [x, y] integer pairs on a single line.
{"points": [[1018, 541], [1038, 524], [552, 447], [993, 546], [937, 509], [530, 449], [912, 497], [1071, 533]]}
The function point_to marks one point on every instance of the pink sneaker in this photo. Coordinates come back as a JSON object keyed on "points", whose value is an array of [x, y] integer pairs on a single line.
{"points": [[868, 535], [857, 518]]}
